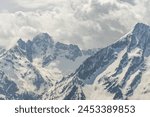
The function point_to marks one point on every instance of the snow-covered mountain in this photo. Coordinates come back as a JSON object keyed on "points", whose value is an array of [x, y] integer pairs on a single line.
{"points": [[118, 71], [43, 69], [30, 69]]}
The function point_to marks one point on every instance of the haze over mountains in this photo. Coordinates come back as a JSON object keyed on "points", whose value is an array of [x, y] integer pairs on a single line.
{"points": [[44, 69]]}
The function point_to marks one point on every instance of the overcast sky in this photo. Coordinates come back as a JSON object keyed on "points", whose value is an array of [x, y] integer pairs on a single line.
{"points": [[88, 23]]}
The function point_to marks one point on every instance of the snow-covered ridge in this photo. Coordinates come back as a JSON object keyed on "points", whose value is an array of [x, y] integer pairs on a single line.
{"points": [[43, 69], [33, 67], [119, 71]]}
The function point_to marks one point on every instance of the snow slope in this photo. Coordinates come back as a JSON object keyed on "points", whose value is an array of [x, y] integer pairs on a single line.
{"points": [[43, 69], [119, 71], [35, 66]]}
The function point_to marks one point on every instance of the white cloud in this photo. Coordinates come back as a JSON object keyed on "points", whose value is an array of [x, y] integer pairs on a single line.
{"points": [[88, 23], [38, 3]]}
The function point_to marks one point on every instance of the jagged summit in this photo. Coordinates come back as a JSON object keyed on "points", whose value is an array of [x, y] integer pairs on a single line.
{"points": [[141, 25], [31, 68], [43, 46], [118, 71], [141, 29], [42, 36], [43, 39], [43, 69]]}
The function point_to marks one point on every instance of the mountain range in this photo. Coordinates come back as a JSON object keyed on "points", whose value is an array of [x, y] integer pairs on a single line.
{"points": [[41, 69]]}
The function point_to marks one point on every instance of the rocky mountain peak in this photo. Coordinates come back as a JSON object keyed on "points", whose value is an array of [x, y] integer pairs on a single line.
{"points": [[141, 26], [141, 29], [43, 39]]}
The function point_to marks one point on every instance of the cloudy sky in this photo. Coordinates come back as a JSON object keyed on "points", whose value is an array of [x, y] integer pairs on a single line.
{"points": [[88, 23]]}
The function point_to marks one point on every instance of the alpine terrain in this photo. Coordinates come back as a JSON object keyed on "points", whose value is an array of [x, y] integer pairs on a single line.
{"points": [[30, 69], [43, 69]]}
